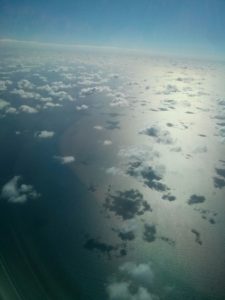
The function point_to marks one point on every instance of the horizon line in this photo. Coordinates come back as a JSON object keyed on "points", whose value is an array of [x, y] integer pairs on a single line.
{"points": [[148, 51]]}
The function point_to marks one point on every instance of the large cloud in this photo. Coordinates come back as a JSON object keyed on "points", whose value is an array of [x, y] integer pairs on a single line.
{"points": [[15, 192]]}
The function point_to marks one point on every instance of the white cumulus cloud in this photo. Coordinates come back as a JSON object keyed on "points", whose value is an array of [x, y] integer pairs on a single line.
{"points": [[28, 109], [16, 192]]}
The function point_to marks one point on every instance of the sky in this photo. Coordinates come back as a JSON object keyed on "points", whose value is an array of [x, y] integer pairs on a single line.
{"points": [[179, 26]]}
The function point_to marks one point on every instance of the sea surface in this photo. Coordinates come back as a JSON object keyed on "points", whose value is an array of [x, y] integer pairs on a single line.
{"points": [[112, 175]]}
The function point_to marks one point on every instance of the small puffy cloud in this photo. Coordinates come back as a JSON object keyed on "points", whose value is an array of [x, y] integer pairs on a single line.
{"points": [[135, 285], [26, 94], [28, 109], [127, 231], [25, 84], [114, 171], [138, 153], [119, 99], [195, 199], [51, 105], [3, 104], [11, 110], [93, 90], [160, 135], [4, 84], [65, 159], [141, 273], [122, 291], [15, 192], [45, 134], [118, 291], [107, 142], [55, 91], [46, 99], [98, 127], [82, 107], [62, 96]]}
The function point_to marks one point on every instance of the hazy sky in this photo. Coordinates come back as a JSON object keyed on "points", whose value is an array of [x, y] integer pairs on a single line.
{"points": [[189, 26]]}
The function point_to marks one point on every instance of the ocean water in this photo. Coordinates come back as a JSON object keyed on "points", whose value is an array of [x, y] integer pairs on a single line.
{"points": [[125, 153]]}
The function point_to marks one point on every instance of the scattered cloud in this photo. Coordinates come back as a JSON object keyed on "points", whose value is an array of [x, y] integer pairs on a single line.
{"points": [[119, 99], [115, 171], [127, 230], [26, 94], [84, 92], [3, 104], [16, 192], [160, 135], [122, 291], [98, 127], [135, 282], [82, 107], [28, 109], [11, 110], [151, 175], [51, 105], [45, 134], [149, 233], [127, 204], [4, 84], [111, 125], [25, 84], [141, 273], [138, 153], [197, 236], [65, 159], [195, 199], [107, 142], [55, 91]]}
